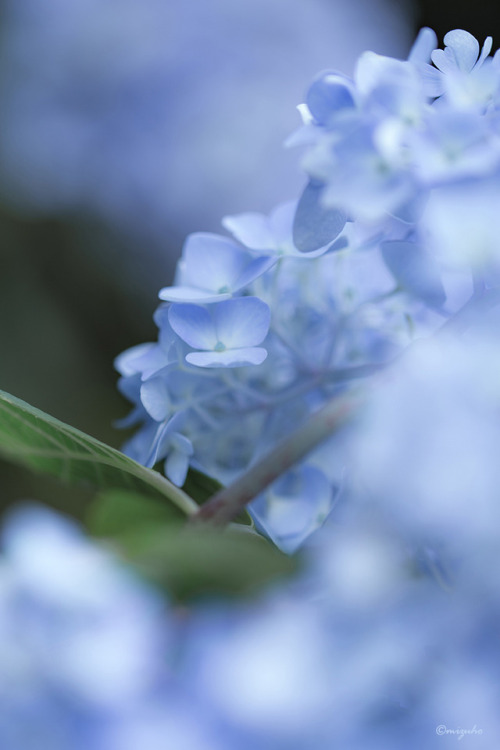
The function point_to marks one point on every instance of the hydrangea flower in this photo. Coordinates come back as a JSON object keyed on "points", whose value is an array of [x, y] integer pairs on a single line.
{"points": [[395, 232], [274, 234], [464, 72], [227, 334], [213, 269]]}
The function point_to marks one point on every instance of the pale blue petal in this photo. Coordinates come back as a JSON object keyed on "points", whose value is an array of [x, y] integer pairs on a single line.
{"points": [[281, 223], [139, 445], [445, 60], [176, 467], [211, 262], [271, 234], [181, 443], [253, 270], [129, 362], [156, 399], [294, 506], [306, 135], [415, 270], [314, 225], [241, 322], [339, 244], [488, 44], [230, 358], [432, 79], [191, 294], [167, 338], [160, 317], [157, 445], [251, 229], [194, 325], [374, 71], [154, 361], [465, 48], [328, 95], [424, 45]]}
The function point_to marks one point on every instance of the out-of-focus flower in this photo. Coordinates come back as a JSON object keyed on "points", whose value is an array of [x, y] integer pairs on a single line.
{"points": [[152, 113], [365, 646]]}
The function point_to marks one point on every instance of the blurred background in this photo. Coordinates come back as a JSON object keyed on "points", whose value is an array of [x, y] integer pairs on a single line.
{"points": [[127, 124]]}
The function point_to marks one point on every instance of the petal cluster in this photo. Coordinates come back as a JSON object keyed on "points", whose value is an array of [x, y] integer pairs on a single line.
{"points": [[397, 230]]}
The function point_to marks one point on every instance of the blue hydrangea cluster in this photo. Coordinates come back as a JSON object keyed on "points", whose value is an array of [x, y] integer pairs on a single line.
{"points": [[409, 151], [396, 231], [253, 337]]}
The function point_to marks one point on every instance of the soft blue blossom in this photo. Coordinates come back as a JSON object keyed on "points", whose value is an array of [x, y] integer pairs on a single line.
{"points": [[433, 419], [228, 333], [294, 506], [291, 229], [467, 77], [80, 634], [212, 269]]}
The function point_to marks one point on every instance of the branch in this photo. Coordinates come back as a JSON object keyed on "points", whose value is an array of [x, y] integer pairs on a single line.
{"points": [[226, 504]]}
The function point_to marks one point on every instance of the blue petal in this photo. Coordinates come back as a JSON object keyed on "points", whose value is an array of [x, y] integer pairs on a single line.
{"points": [[445, 60], [488, 44], [253, 270], [281, 223], [415, 270], [190, 294], [251, 229], [130, 361], [194, 325], [176, 467], [423, 47], [211, 262], [329, 94], [432, 80], [230, 358], [465, 48], [314, 225], [294, 506], [241, 322], [158, 445], [155, 398]]}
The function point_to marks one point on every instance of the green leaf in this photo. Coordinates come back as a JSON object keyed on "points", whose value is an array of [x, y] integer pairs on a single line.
{"points": [[114, 513], [194, 562], [39, 442], [187, 562]]}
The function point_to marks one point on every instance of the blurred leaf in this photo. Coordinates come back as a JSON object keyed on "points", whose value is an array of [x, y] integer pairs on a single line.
{"points": [[116, 512], [202, 561], [186, 562], [44, 444]]}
